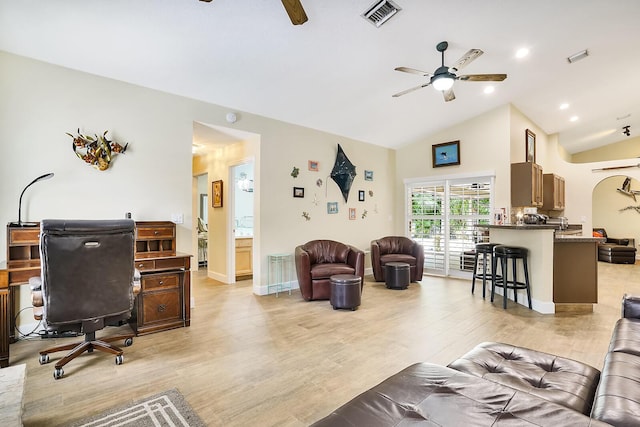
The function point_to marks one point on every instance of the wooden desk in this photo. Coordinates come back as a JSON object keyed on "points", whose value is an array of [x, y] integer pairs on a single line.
{"points": [[163, 303]]}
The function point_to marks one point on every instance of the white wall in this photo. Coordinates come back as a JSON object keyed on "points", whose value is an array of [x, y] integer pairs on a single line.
{"points": [[39, 102]]}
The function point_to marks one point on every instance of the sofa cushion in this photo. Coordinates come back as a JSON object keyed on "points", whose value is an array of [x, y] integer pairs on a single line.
{"points": [[617, 400], [325, 271], [564, 381], [433, 395]]}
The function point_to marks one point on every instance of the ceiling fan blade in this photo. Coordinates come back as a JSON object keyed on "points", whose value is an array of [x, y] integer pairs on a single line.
{"points": [[208, 1], [466, 59], [295, 11], [404, 92], [449, 95], [483, 77], [413, 71]]}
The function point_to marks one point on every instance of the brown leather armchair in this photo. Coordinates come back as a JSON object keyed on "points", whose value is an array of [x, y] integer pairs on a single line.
{"points": [[88, 282], [397, 249], [318, 260]]}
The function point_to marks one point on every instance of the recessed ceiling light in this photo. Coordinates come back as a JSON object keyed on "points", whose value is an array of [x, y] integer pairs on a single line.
{"points": [[574, 118], [489, 89], [564, 106], [522, 52]]}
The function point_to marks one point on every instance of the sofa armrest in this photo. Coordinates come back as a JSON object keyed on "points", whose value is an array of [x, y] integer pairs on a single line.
{"points": [[630, 307], [303, 271], [375, 261], [622, 242], [356, 260]]}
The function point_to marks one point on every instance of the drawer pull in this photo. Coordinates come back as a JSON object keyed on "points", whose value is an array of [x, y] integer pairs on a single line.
{"points": [[161, 282], [156, 232], [161, 308], [140, 265]]}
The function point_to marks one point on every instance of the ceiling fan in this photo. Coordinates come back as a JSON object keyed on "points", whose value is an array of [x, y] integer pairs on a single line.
{"points": [[294, 10], [443, 77]]}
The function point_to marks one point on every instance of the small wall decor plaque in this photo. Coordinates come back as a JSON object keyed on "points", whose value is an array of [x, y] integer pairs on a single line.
{"points": [[361, 195], [332, 207], [313, 165], [352, 213], [295, 172], [368, 175], [98, 151], [298, 192]]}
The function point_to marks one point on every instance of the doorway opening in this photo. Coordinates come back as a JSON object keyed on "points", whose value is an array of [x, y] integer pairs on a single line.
{"points": [[242, 177]]}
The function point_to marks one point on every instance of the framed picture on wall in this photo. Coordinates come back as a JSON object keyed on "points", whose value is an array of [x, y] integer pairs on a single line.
{"points": [[298, 192], [445, 154], [530, 145], [361, 195], [352, 213], [216, 190], [313, 165], [332, 207]]}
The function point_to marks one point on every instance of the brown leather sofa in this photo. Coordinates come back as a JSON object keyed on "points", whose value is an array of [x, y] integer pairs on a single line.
{"points": [[614, 250], [500, 384], [318, 260], [397, 249]]}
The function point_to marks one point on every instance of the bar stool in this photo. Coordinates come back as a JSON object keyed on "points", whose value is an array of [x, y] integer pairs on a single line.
{"points": [[503, 253], [486, 250]]}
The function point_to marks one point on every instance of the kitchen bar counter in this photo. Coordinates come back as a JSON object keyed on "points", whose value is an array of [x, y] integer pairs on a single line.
{"points": [[562, 267]]}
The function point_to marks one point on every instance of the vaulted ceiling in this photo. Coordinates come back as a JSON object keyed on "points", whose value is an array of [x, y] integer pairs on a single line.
{"points": [[336, 71]]}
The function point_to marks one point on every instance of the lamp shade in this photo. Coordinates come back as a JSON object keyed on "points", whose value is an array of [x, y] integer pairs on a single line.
{"points": [[442, 83]]}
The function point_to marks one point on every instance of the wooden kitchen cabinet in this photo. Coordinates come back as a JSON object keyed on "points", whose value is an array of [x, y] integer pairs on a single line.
{"points": [[244, 256], [526, 184], [553, 189]]}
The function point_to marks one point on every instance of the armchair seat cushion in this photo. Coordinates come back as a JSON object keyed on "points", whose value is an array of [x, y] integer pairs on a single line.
{"points": [[408, 259], [325, 271]]}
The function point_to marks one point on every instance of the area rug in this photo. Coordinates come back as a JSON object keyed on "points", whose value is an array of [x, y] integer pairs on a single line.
{"points": [[164, 409]]}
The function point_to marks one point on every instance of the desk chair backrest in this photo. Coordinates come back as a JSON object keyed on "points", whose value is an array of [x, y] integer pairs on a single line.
{"points": [[87, 272]]}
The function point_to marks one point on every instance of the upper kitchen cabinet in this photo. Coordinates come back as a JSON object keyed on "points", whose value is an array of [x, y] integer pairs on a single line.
{"points": [[553, 188], [526, 184]]}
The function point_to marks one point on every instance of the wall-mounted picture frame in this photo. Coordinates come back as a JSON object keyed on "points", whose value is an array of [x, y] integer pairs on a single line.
{"points": [[530, 146], [361, 195], [216, 190], [298, 192], [352, 213], [332, 207], [368, 175], [314, 165], [445, 154]]}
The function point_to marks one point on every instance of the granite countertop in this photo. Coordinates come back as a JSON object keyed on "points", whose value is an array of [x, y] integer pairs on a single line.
{"points": [[521, 227], [573, 238], [558, 237]]}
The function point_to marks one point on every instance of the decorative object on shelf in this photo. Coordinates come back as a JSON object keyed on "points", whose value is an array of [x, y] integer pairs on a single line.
{"points": [[352, 213], [97, 151], [295, 172], [28, 224], [332, 207], [319, 182], [216, 190], [530, 139], [445, 154], [370, 193], [343, 173], [364, 214], [361, 195], [298, 192], [313, 165], [368, 175], [306, 216]]}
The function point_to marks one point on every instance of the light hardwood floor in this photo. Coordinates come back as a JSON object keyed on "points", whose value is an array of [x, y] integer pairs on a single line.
{"points": [[248, 360]]}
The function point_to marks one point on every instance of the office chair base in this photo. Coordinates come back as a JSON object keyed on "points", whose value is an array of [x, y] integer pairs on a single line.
{"points": [[88, 345]]}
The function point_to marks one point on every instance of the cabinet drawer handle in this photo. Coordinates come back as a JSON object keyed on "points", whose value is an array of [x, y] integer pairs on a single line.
{"points": [[140, 265], [161, 282], [156, 232], [161, 308]]}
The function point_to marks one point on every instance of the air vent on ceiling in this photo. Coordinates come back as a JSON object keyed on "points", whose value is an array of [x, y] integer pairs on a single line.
{"points": [[380, 12]]}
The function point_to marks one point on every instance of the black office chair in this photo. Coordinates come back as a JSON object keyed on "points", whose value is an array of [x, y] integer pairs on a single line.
{"points": [[88, 281]]}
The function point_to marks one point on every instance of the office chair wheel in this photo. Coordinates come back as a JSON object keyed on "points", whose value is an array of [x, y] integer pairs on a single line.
{"points": [[119, 359], [44, 358], [58, 373], [128, 342]]}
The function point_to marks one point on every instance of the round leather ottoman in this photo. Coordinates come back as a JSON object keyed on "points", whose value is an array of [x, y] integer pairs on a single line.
{"points": [[345, 291], [397, 275]]}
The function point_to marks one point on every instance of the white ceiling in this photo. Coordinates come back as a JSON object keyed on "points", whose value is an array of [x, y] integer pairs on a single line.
{"points": [[336, 72]]}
